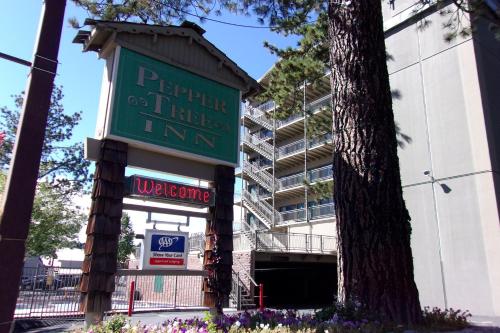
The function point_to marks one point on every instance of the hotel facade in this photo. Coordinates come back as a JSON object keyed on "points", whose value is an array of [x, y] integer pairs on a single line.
{"points": [[447, 109]]}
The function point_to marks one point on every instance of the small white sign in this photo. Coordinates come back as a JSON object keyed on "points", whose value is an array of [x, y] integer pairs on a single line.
{"points": [[164, 250]]}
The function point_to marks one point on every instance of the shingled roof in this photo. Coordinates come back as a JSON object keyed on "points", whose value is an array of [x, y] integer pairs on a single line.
{"points": [[104, 33]]}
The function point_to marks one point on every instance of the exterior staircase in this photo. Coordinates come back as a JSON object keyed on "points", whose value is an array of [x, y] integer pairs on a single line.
{"points": [[261, 209], [262, 177], [259, 145], [258, 117], [240, 297]]}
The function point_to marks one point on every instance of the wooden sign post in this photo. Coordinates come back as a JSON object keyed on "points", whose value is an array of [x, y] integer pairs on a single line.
{"points": [[218, 259], [103, 230], [170, 102]]}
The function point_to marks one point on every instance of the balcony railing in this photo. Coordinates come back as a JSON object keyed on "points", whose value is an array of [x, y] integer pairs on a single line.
{"points": [[291, 181], [299, 145], [315, 212], [263, 210], [259, 145], [290, 119], [264, 178], [267, 106], [312, 107], [258, 116], [319, 174], [314, 175], [271, 241]]}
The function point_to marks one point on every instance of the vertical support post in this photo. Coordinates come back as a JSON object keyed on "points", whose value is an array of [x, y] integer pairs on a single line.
{"points": [[238, 283], [218, 258], [261, 297], [175, 292], [17, 203], [131, 299], [306, 144], [103, 230]]}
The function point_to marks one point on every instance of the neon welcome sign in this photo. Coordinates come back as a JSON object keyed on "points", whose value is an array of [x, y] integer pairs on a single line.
{"points": [[163, 190]]}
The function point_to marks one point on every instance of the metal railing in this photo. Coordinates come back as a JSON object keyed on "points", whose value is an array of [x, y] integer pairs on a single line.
{"points": [[272, 241], [259, 145], [264, 178], [258, 117], [267, 106], [295, 242], [197, 242], [288, 120], [312, 107], [291, 181], [158, 289], [325, 172], [48, 292], [298, 179], [299, 145], [315, 212], [261, 208]]}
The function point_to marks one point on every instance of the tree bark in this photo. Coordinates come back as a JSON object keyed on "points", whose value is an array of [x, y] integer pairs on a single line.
{"points": [[218, 258], [375, 263]]}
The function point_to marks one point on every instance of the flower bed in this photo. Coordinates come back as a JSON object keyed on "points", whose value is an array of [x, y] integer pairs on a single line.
{"points": [[336, 319]]}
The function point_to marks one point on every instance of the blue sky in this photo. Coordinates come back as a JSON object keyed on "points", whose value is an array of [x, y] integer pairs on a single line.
{"points": [[80, 73]]}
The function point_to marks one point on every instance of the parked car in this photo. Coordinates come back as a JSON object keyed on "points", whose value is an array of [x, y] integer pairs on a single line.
{"points": [[45, 282], [69, 280]]}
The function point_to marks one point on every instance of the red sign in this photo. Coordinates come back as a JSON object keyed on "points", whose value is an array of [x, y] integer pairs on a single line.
{"points": [[166, 261], [164, 190]]}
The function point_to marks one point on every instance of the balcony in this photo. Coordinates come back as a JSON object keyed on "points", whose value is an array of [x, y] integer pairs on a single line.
{"points": [[271, 241], [294, 124], [252, 142], [257, 117], [292, 153], [297, 180], [315, 213]]}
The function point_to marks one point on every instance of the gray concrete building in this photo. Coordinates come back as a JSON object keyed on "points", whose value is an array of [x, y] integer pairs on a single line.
{"points": [[447, 108]]}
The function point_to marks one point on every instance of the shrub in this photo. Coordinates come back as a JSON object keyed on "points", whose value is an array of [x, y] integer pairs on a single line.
{"points": [[447, 319]]}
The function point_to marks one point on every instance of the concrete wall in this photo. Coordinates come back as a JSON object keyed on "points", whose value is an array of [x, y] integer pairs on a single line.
{"points": [[444, 111]]}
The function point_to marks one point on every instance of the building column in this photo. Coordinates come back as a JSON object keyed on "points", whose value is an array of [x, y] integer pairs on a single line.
{"points": [[103, 231], [218, 258]]}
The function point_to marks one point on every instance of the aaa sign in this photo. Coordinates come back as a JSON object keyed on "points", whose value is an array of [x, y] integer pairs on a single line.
{"points": [[164, 108], [164, 250]]}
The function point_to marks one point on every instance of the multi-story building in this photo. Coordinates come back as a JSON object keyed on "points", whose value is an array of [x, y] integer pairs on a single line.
{"points": [[447, 112], [281, 161]]}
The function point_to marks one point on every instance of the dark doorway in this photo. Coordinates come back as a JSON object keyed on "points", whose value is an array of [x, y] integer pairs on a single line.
{"points": [[297, 284]]}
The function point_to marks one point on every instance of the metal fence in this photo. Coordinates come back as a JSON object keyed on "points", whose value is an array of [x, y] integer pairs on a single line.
{"points": [[158, 290], [47, 292]]}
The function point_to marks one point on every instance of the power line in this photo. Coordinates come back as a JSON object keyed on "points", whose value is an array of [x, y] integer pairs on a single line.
{"points": [[204, 18]]}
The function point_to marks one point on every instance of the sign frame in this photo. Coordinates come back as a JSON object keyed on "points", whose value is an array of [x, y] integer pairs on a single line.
{"points": [[109, 100], [170, 192], [147, 253]]}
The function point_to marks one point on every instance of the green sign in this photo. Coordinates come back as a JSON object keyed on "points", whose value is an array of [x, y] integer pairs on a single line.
{"points": [[160, 104]]}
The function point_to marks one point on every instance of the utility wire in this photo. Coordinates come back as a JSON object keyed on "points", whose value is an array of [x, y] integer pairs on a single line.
{"points": [[204, 18]]}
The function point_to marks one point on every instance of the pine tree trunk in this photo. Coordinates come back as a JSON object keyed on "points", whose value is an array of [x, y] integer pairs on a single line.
{"points": [[373, 225]]}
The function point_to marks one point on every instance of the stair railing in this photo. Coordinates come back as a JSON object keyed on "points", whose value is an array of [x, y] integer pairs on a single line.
{"points": [[259, 145]]}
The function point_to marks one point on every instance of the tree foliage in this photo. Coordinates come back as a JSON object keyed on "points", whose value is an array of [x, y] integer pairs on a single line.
{"points": [[61, 164], [126, 241], [55, 220]]}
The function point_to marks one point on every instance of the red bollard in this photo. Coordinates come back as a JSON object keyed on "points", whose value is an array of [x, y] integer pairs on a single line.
{"points": [[131, 298], [261, 297]]}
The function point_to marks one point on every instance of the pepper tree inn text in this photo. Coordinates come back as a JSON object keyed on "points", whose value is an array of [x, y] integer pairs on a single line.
{"points": [[161, 104]]}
